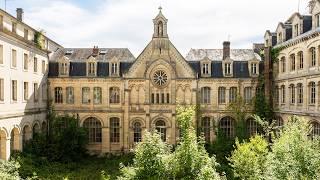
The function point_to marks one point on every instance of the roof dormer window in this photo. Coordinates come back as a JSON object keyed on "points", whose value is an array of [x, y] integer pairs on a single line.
{"points": [[91, 68], [317, 19], [205, 68], [69, 52], [63, 68], [296, 30], [114, 68], [280, 37], [103, 52], [254, 69], [227, 69]]}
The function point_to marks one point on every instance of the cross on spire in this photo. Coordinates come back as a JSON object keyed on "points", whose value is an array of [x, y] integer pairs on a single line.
{"points": [[160, 8]]}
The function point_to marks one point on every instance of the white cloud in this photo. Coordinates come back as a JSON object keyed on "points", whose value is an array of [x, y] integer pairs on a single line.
{"points": [[128, 23]]}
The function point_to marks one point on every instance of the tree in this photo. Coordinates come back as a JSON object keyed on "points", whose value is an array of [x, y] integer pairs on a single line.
{"points": [[294, 154], [9, 170], [190, 159], [248, 160]]}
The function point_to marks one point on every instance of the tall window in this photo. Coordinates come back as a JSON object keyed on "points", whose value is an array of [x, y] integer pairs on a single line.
{"points": [[94, 130], [1, 89], [292, 94], [91, 69], [247, 94], [283, 94], [25, 91], [300, 93], [114, 68], [221, 95], [300, 57], [205, 126], [70, 95], [14, 27], [253, 68], [205, 68], [205, 95], [85, 95], [317, 20], [315, 129], [226, 126], [97, 95], [280, 37], [25, 61], [14, 90], [296, 30], [276, 96], [293, 62], [227, 68], [1, 54], [115, 95], [252, 127], [137, 132], [35, 64], [313, 57], [161, 128], [63, 68], [283, 64], [43, 67], [312, 91], [233, 94], [35, 92], [14, 58], [114, 130], [58, 95], [44, 92]]}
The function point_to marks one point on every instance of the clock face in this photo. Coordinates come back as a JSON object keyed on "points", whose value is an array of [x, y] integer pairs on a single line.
{"points": [[160, 78]]}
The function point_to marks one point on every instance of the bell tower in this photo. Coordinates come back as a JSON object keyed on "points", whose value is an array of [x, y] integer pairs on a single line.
{"points": [[160, 25]]}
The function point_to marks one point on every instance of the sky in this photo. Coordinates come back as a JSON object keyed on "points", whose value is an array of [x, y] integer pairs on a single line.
{"points": [[128, 23]]}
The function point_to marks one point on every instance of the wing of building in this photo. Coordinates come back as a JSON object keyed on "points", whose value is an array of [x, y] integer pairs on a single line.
{"points": [[117, 96], [293, 76]]}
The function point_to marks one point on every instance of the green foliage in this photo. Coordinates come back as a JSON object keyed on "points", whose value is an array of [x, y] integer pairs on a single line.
{"points": [[9, 170], [262, 107], [38, 39], [65, 142], [294, 154], [149, 160], [153, 159], [274, 54], [249, 159], [190, 159]]}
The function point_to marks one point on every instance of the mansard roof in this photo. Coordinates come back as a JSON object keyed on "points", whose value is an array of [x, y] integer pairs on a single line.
{"points": [[82, 54], [216, 54]]}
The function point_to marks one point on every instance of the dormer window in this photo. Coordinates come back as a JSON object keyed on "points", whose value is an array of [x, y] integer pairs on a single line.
{"points": [[296, 30], [227, 69], [205, 68], [69, 52], [317, 20], [254, 69], [114, 68], [280, 37], [91, 68], [14, 27], [63, 69]]}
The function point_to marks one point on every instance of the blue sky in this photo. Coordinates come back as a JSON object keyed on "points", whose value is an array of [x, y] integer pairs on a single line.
{"points": [[128, 23]]}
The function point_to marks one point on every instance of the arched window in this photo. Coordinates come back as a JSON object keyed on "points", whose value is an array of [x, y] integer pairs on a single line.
{"points": [[161, 128], [15, 140], [35, 129], [221, 95], [137, 132], [205, 95], [44, 127], [300, 93], [226, 126], [26, 134], [300, 57], [292, 94], [315, 129], [114, 130], [283, 64], [293, 62], [283, 94], [205, 126], [313, 57], [252, 127], [312, 93], [93, 126], [58, 95], [276, 95], [114, 95], [160, 29]]}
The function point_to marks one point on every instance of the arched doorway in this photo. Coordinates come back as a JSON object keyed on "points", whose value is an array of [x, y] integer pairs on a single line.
{"points": [[161, 128], [15, 140], [26, 134]]}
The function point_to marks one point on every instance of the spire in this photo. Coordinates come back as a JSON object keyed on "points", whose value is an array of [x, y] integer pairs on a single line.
{"points": [[160, 25]]}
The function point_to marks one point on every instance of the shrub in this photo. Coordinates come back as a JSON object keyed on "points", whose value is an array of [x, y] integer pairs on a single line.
{"points": [[9, 170]]}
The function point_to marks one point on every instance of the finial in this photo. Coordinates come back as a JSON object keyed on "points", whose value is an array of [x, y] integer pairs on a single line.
{"points": [[160, 8]]}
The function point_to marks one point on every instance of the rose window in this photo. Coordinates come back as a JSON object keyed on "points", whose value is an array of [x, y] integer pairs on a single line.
{"points": [[160, 78]]}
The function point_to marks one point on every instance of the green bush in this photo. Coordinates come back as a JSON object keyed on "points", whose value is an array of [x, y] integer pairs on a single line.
{"points": [[9, 170]]}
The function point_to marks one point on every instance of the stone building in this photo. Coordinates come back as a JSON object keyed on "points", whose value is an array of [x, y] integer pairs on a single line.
{"points": [[117, 96], [23, 81], [295, 75]]}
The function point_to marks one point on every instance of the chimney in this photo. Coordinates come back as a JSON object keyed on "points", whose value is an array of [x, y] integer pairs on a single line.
{"points": [[20, 14], [226, 50], [95, 51]]}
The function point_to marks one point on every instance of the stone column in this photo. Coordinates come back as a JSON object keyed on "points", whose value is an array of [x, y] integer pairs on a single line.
{"points": [[125, 121], [7, 149]]}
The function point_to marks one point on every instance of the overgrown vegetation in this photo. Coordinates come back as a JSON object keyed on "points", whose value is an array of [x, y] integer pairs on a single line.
{"points": [[274, 54], [153, 159], [39, 39]]}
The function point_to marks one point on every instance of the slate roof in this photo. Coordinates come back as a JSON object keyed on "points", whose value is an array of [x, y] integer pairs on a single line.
{"points": [[216, 54], [82, 54]]}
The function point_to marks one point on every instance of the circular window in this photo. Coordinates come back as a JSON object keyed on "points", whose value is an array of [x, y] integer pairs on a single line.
{"points": [[160, 78]]}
